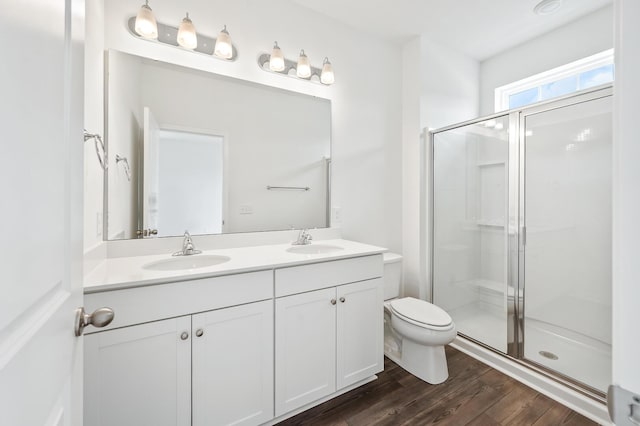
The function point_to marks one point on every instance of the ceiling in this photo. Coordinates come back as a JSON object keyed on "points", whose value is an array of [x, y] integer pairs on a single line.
{"points": [[478, 28]]}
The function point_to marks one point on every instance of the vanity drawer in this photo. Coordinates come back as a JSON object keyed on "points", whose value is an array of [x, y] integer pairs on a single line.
{"points": [[151, 303], [299, 279]]}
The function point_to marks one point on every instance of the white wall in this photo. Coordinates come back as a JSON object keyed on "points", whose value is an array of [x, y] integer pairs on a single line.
{"points": [[586, 36], [93, 122], [411, 152], [366, 99], [440, 87], [125, 107], [626, 203]]}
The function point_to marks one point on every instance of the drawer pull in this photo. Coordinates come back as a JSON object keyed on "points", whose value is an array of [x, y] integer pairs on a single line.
{"points": [[184, 335], [333, 301], [199, 332]]}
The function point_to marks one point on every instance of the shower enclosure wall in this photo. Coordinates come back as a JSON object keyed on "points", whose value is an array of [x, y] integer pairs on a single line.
{"points": [[521, 234]]}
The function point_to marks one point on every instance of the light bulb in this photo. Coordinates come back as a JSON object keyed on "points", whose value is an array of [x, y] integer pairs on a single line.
{"points": [[223, 48], [327, 77], [303, 70], [187, 37], [146, 25], [276, 60]]}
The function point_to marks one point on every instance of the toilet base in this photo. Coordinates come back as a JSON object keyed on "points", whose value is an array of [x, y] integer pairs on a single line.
{"points": [[428, 363], [430, 367]]}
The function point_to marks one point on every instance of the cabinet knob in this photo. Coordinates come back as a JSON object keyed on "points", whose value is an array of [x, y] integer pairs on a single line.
{"points": [[342, 300], [199, 332], [333, 301], [184, 335]]}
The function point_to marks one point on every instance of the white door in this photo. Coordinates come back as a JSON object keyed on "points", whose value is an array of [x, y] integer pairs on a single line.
{"points": [[626, 211], [151, 145], [191, 186], [139, 375], [233, 365], [360, 322], [305, 348], [41, 110]]}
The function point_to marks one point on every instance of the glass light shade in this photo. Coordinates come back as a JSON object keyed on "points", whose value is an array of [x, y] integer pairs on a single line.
{"points": [[276, 60], [303, 70], [146, 25], [223, 48], [327, 76], [187, 37]]}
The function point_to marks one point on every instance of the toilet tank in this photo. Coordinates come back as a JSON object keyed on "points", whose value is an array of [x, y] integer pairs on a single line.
{"points": [[392, 275]]}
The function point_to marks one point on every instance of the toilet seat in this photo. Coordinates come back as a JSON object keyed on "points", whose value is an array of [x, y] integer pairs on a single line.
{"points": [[421, 313]]}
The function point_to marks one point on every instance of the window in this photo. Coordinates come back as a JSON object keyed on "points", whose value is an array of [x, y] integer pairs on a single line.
{"points": [[579, 75]]}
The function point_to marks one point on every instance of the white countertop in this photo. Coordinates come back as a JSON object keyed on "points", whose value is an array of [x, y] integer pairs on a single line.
{"points": [[126, 272]]}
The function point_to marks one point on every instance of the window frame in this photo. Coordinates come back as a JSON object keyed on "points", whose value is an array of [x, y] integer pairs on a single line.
{"points": [[575, 68]]}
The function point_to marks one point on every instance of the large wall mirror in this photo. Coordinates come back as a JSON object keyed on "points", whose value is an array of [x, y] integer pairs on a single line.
{"points": [[191, 150]]}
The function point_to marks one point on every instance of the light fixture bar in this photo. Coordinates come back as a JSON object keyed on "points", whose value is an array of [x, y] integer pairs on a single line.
{"points": [[263, 63], [168, 34]]}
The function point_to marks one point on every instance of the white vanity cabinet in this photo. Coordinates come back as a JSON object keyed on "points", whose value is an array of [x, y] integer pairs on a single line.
{"points": [[207, 368], [233, 365], [329, 329], [249, 348], [139, 375]]}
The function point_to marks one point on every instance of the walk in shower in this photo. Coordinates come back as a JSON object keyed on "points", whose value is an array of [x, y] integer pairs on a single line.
{"points": [[521, 234]]}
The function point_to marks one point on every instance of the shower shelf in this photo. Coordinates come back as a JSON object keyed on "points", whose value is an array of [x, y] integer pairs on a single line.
{"points": [[495, 286], [490, 224], [491, 163]]}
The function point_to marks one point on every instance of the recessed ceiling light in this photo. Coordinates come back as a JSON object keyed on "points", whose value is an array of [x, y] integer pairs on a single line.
{"points": [[547, 7]]}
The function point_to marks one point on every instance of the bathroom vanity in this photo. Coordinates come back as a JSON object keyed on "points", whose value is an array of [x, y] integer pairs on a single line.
{"points": [[266, 333]]}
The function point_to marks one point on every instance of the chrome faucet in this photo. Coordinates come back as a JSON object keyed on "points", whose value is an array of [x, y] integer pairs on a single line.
{"points": [[304, 238], [187, 246]]}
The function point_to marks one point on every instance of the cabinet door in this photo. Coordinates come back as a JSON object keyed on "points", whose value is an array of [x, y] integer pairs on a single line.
{"points": [[139, 375], [360, 318], [233, 365], [305, 348]]}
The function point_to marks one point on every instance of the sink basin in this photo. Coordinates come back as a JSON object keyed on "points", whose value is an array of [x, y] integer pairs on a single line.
{"points": [[186, 262], [314, 249]]}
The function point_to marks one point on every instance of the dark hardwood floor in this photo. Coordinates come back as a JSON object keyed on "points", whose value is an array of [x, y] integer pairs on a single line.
{"points": [[474, 394]]}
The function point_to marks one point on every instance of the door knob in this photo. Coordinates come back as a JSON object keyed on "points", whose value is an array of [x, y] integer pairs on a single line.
{"points": [[333, 301], [342, 299], [199, 332], [184, 335], [101, 317]]}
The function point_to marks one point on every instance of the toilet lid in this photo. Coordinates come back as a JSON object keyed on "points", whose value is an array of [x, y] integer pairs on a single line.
{"points": [[421, 311]]}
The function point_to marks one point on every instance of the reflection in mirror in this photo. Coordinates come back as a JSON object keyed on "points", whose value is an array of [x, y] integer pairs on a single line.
{"points": [[205, 148]]}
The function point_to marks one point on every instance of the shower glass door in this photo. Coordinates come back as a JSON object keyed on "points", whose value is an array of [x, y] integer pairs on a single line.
{"points": [[470, 218], [567, 254]]}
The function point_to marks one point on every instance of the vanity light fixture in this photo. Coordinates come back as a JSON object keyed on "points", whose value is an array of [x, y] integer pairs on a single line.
{"points": [[187, 36], [146, 25], [301, 69], [276, 60], [327, 76], [223, 47]]}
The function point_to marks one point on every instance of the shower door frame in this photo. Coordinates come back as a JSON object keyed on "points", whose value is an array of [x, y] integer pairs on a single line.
{"points": [[516, 225]]}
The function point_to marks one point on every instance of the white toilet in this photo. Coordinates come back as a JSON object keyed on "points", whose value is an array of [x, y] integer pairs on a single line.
{"points": [[415, 331]]}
